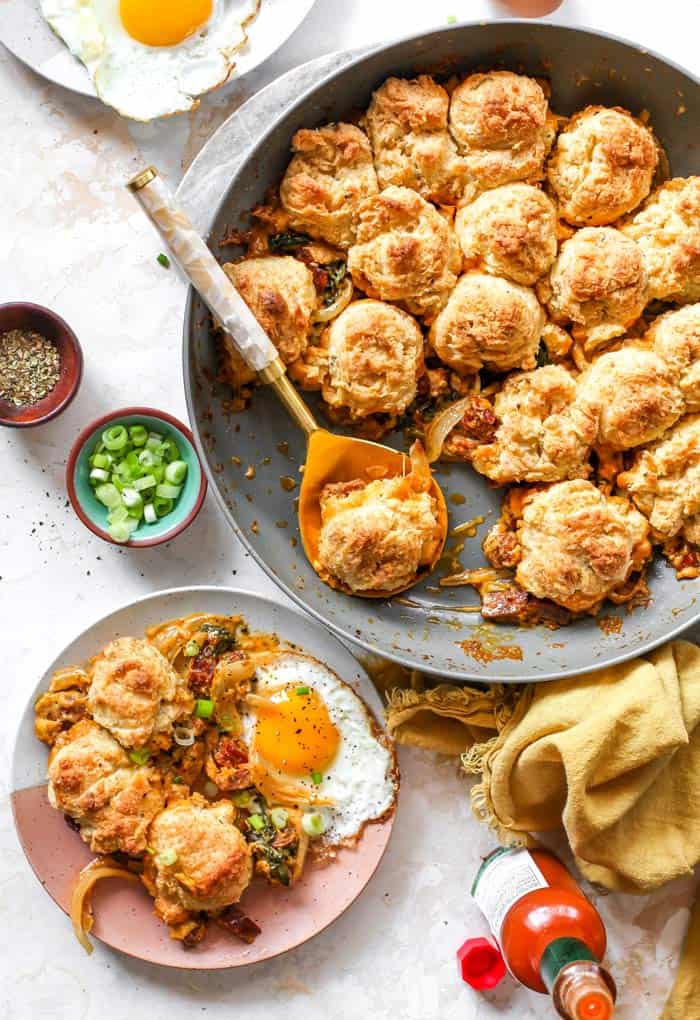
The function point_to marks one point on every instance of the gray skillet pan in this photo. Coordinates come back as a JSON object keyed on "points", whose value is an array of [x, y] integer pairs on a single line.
{"points": [[429, 630]]}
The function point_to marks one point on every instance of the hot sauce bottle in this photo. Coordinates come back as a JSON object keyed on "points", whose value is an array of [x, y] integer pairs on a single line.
{"points": [[551, 936]]}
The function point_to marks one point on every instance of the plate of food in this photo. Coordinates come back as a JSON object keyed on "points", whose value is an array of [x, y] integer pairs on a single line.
{"points": [[220, 788], [147, 58], [486, 239]]}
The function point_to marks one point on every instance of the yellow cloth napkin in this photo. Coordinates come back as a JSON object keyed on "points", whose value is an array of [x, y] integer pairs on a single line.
{"points": [[613, 756]]}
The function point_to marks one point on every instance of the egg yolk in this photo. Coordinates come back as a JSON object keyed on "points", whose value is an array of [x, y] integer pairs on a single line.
{"points": [[163, 22], [294, 732]]}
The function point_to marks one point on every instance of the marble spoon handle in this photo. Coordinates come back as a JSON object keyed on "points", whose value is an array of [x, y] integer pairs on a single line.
{"points": [[203, 271]]}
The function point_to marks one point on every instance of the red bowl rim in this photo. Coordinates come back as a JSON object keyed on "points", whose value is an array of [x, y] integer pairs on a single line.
{"points": [[78, 445], [73, 341]]}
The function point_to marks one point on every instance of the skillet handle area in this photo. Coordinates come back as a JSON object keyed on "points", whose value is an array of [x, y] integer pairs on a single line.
{"points": [[203, 271]]}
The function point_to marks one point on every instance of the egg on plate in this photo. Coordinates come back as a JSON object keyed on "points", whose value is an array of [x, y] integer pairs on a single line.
{"points": [[151, 58], [313, 744]]}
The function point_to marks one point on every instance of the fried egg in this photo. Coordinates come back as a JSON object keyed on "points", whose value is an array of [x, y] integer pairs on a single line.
{"points": [[313, 743], [151, 58]]}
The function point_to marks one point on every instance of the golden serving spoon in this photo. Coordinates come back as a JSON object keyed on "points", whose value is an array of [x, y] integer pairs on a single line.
{"points": [[329, 458]]}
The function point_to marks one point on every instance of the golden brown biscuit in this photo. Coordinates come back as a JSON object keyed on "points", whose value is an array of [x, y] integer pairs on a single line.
{"points": [[598, 283], [578, 545], [544, 434], [667, 229], [377, 536], [407, 126], [676, 338], [330, 174], [135, 693], [488, 322], [635, 394], [375, 355], [405, 252], [92, 780], [211, 862], [509, 231], [502, 127], [602, 165], [664, 482], [280, 292]]}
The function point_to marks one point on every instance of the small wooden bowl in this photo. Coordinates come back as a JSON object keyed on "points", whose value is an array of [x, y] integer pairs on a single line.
{"points": [[23, 315]]}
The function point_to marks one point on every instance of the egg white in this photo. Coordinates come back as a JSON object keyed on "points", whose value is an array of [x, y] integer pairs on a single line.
{"points": [[360, 780], [144, 82]]}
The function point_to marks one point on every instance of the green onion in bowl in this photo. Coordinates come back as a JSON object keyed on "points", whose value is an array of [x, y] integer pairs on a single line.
{"points": [[138, 476]]}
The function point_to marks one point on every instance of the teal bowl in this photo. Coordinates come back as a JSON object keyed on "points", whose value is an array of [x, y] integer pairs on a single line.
{"points": [[94, 515]]}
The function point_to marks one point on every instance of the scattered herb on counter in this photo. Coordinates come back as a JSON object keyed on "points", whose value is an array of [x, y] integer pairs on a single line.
{"points": [[138, 475], [451, 19], [30, 367], [163, 260]]}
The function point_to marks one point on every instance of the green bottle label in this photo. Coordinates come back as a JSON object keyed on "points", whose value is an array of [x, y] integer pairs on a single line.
{"points": [[560, 953]]}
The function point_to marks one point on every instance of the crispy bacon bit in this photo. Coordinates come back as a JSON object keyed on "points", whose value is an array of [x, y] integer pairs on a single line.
{"points": [[202, 671], [479, 420], [235, 921], [285, 838], [230, 752], [71, 823], [507, 605], [235, 237], [194, 936], [501, 547]]}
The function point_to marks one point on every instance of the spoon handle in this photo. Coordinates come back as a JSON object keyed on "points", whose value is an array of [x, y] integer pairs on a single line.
{"points": [[216, 290]]}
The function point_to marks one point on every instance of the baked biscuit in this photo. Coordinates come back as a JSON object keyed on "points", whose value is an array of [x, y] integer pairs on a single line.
{"points": [[407, 126], [377, 536], [664, 482], [598, 284], [211, 862], [509, 231], [330, 174], [406, 251], [488, 322], [280, 292], [375, 355], [578, 545], [635, 394], [502, 126], [602, 166], [676, 339], [544, 434], [135, 693], [92, 780], [667, 229]]}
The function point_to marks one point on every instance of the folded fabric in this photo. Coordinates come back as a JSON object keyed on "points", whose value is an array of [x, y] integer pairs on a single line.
{"points": [[613, 756]]}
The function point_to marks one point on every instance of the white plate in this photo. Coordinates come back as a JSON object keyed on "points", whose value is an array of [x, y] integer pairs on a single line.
{"points": [[26, 34], [123, 912]]}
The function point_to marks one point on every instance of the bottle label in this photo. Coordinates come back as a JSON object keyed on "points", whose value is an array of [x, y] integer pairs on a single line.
{"points": [[503, 879]]}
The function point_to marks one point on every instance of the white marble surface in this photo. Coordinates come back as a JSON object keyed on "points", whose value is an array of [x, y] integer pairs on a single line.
{"points": [[74, 240]]}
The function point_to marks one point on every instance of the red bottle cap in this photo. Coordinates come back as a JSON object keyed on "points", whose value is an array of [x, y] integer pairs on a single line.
{"points": [[480, 964]]}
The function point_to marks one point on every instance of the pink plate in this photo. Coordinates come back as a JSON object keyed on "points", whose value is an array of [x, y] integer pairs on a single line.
{"points": [[124, 917]]}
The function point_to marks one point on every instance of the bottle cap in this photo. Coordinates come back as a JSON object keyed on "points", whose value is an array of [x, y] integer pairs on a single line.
{"points": [[480, 964]]}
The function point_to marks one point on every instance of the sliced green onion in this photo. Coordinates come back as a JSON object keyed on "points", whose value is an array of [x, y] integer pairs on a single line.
{"points": [[163, 260], [175, 472], [167, 491], [147, 482], [149, 514], [147, 458], [204, 708], [177, 780], [101, 460], [99, 475], [162, 506], [256, 822], [115, 438], [191, 649], [140, 756], [169, 451], [108, 495], [123, 531], [316, 778], [242, 799], [303, 690], [313, 824], [158, 472], [167, 858], [138, 435], [119, 514], [279, 817], [132, 499]]}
